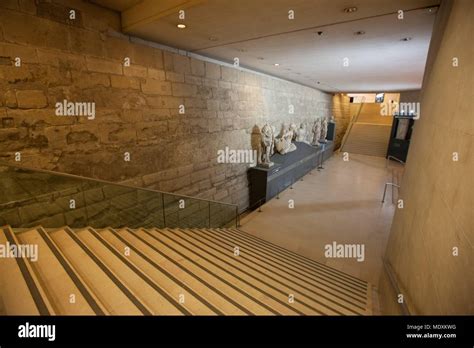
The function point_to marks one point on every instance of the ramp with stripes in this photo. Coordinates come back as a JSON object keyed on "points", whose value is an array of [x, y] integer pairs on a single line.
{"points": [[169, 272]]}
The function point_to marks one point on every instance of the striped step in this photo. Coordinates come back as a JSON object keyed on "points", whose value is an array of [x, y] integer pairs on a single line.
{"points": [[185, 271], [368, 139]]}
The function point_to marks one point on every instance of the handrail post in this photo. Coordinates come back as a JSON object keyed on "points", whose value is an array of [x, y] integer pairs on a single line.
{"points": [[237, 217], [209, 211], [384, 192], [385, 189], [163, 207]]}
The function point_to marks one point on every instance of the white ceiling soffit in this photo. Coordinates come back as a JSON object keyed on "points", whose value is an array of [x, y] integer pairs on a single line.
{"points": [[261, 35]]}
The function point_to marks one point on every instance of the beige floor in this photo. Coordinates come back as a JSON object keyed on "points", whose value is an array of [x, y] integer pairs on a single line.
{"points": [[341, 203]]}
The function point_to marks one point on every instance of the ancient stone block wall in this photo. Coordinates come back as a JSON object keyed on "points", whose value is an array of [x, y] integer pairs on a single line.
{"points": [[136, 107]]}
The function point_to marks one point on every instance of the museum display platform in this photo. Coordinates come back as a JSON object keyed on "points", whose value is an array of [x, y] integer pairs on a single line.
{"points": [[266, 183]]}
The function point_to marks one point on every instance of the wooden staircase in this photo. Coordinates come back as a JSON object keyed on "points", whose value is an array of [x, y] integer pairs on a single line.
{"points": [[169, 272]]}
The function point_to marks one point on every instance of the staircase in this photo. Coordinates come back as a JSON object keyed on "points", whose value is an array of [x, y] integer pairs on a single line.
{"points": [[369, 131], [179, 271], [368, 139]]}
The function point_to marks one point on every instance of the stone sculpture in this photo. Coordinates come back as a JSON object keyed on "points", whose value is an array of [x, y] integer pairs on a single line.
{"points": [[294, 130], [302, 135], [283, 144], [267, 145], [324, 130], [316, 132]]}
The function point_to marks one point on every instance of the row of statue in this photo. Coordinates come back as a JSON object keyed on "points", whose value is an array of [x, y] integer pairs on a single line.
{"points": [[283, 143]]}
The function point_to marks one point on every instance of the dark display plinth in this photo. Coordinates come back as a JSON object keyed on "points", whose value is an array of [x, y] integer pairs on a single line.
{"points": [[400, 135], [266, 183]]}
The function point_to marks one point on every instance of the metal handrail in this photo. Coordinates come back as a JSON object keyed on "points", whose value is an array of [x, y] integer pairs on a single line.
{"points": [[82, 179], [109, 182], [351, 123], [394, 283], [385, 189], [395, 158]]}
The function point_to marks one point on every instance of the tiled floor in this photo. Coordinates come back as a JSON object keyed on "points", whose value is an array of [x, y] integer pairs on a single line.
{"points": [[341, 203]]}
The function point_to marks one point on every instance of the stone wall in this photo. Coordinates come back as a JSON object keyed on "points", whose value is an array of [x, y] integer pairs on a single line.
{"points": [[137, 106], [430, 248]]}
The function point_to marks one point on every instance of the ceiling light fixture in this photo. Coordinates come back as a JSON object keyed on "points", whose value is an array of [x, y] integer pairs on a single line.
{"points": [[276, 64], [360, 32], [350, 9], [406, 39], [181, 26]]}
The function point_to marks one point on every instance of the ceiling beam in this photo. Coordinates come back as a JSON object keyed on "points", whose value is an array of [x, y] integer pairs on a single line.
{"points": [[149, 11]]}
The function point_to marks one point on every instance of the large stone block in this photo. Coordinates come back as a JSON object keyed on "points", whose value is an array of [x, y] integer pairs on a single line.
{"points": [[31, 99], [165, 102], [118, 81], [197, 67], [230, 74], [103, 66], [174, 77], [156, 74], [135, 71], [213, 71], [151, 86], [184, 90], [181, 64]]}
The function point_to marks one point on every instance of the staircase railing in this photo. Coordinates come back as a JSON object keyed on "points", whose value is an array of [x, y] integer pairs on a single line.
{"points": [[30, 197], [392, 184], [353, 120]]}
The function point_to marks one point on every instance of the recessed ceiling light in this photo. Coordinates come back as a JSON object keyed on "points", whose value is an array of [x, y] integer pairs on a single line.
{"points": [[276, 64], [212, 38], [350, 9], [360, 32], [320, 33], [406, 39], [181, 26]]}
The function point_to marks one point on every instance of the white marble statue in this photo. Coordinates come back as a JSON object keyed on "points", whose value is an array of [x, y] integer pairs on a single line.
{"points": [[316, 132], [324, 130], [267, 145], [302, 135], [294, 130], [283, 143]]}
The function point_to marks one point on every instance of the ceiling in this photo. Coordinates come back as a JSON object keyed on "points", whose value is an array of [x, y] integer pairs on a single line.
{"points": [[260, 34]]}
